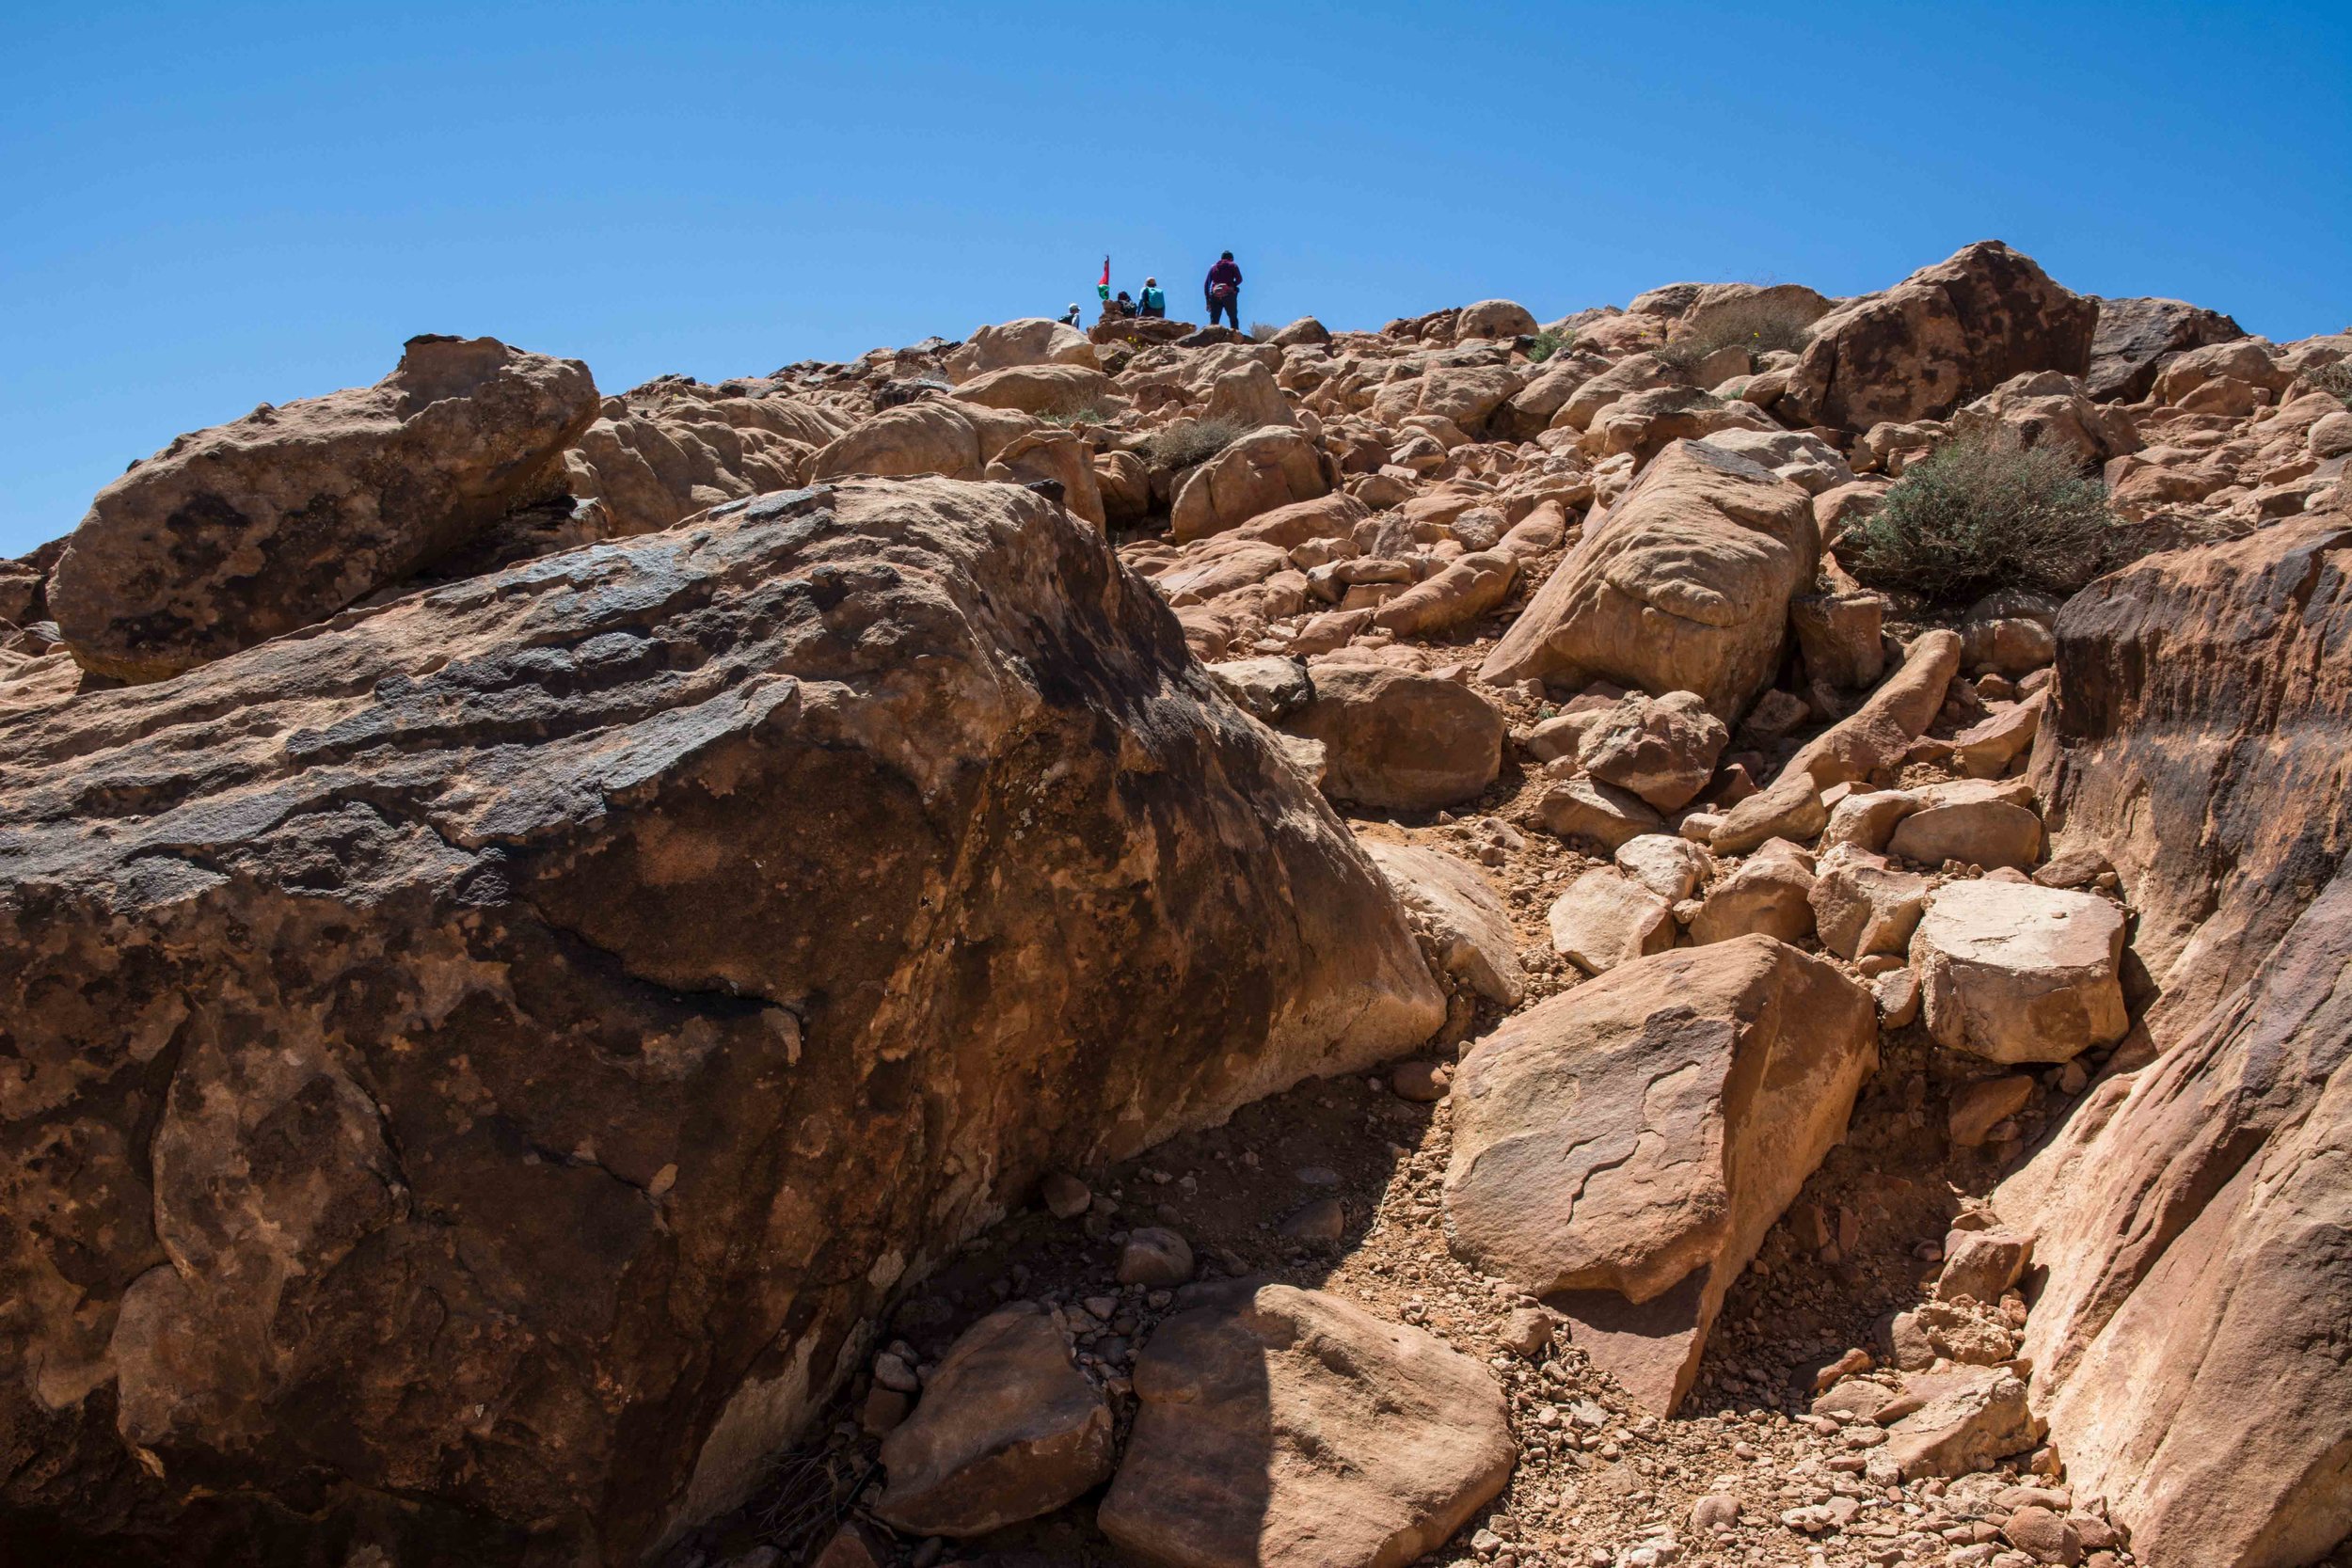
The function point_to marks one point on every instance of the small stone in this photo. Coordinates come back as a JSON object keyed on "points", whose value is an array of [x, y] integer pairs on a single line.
{"points": [[1526, 1331], [1424, 1083], [1980, 1106], [2043, 1535], [883, 1409], [891, 1371], [1154, 1256], [1066, 1196], [1324, 1220]]}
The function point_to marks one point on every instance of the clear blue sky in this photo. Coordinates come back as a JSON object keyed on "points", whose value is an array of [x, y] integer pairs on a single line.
{"points": [[207, 207]]}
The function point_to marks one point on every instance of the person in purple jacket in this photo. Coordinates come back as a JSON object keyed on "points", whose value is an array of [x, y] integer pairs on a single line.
{"points": [[1223, 289]]}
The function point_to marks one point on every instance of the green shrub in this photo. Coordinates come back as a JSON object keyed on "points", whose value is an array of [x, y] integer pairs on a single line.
{"points": [[2335, 380], [1545, 344], [1981, 513], [1190, 441]]}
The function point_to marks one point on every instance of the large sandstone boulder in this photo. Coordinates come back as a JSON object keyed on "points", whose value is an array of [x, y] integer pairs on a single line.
{"points": [[2186, 1340], [520, 1035], [1287, 1426], [1399, 740], [236, 534], [1495, 318], [1624, 1147], [1944, 334], [1269, 467], [2133, 337], [1030, 340], [1038, 389], [1684, 586]]}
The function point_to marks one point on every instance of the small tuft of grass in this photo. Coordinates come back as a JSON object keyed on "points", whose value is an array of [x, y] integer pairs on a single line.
{"points": [[1983, 513], [1190, 441], [1263, 331]]}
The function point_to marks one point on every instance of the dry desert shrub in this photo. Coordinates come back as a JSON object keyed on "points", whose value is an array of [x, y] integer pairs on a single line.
{"points": [[1980, 513], [1190, 441]]}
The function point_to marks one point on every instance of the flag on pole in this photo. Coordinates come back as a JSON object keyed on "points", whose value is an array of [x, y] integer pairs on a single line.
{"points": [[1104, 288]]}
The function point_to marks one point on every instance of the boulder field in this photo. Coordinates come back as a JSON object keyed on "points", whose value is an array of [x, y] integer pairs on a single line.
{"points": [[1158, 945]]}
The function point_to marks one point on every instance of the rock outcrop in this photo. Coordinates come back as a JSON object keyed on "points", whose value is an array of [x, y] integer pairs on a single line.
{"points": [[233, 535], [479, 1065], [1946, 334], [2191, 1215]]}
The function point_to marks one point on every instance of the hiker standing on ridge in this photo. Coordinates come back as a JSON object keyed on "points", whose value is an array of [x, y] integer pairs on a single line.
{"points": [[1223, 287], [1154, 303], [1070, 317]]}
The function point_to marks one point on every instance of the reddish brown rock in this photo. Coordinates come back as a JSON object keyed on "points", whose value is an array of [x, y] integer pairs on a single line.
{"points": [[236, 534], [1399, 740], [1946, 334], [522, 1032]]}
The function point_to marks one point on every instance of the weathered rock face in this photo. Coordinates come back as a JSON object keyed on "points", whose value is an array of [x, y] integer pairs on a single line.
{"points": [[2191, 1216], [669, 450], [1684, 586], [1944, 334], [2134, 335], [1462, 912], [476, 1066], [1625, 1146], [236, 534], [1289, 1426]]}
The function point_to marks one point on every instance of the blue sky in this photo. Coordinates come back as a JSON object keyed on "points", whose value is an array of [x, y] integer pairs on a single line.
{"points": [[204, 208]]}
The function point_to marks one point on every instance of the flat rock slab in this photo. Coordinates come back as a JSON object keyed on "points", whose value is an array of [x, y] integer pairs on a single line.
{"points": [[1008, 1429], [1398, 740], [1286, 1426], [1648, 1128], [1968, 1418], [2016, 973]]}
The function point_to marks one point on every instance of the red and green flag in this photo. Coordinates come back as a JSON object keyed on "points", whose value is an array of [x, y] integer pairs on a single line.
{"points": [[1104, 288]]}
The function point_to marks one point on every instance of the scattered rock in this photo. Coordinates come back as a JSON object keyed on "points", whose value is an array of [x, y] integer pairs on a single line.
{"points": [[1462, 912], [1663, 748], [1397, 741], [1156, 1257], [1969, 1418], [1606, 918]]}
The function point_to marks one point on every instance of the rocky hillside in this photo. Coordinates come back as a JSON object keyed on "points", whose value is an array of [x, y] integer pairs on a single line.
{"points": [[1714, 932]]}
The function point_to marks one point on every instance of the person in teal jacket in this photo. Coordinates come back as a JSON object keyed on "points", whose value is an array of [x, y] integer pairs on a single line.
{"points": [[1154, 300]]}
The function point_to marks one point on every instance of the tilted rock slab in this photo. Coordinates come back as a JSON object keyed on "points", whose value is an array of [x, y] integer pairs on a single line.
{"points": [[2188, 1341], [1684, 586], [475, 1067], [1286, 1426], [1623, 1147], [236, 534]]}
